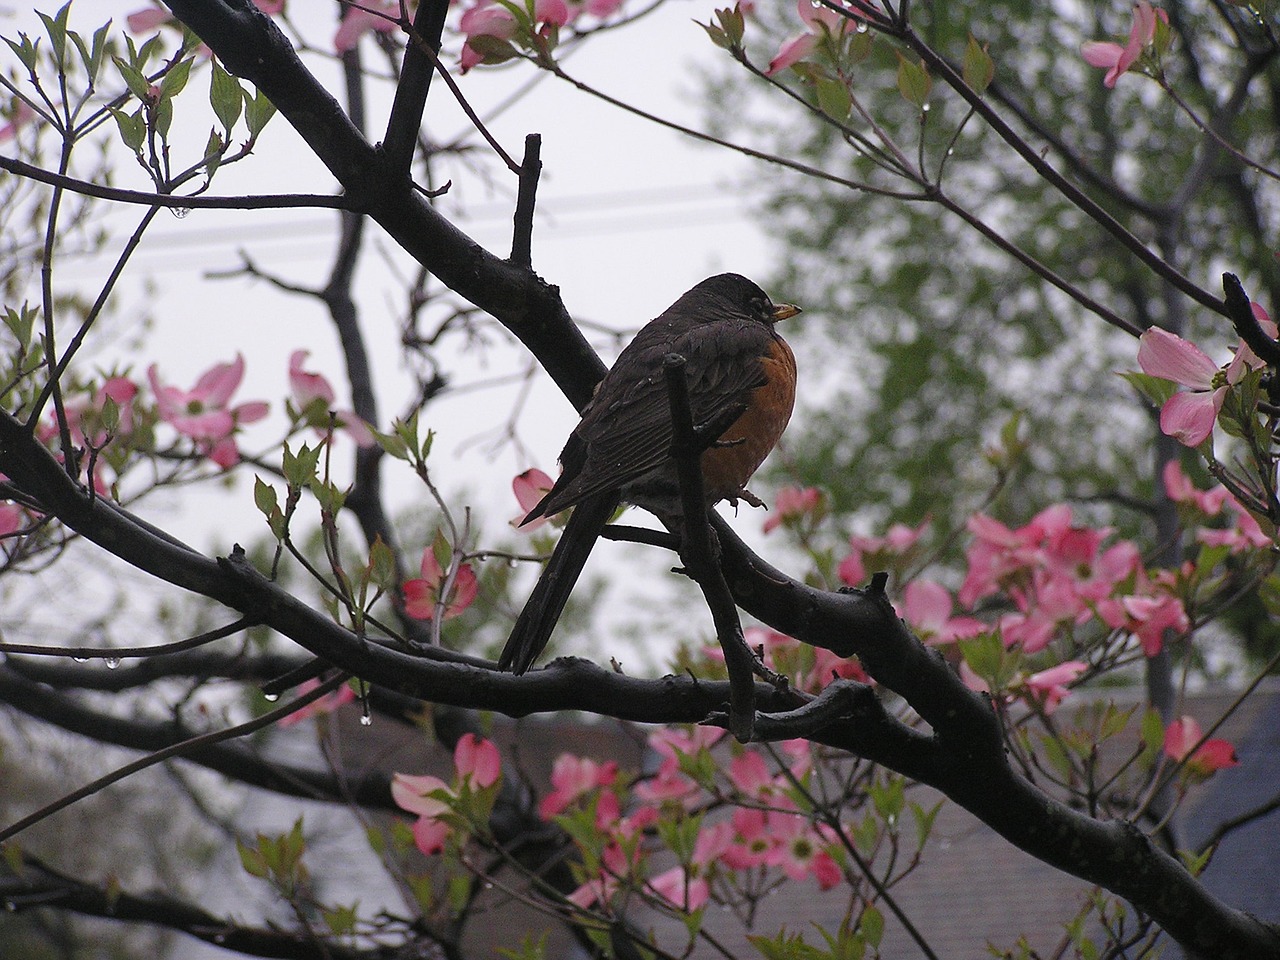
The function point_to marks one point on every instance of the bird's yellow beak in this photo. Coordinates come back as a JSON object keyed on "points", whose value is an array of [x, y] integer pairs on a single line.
{"points": [[782, 311]]}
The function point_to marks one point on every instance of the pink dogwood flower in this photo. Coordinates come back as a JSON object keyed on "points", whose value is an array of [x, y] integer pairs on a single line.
{"points": [[477, 766], [488, 18], [1181, 736], [1050, 687], [820, 21], [896, 542], [530, 487], [325, 705], [313, 395], [573, 777], [422, 595], [204, 414], [793, 503], [927, 607], [1189, 416], [367, 16], [1116, 59]]}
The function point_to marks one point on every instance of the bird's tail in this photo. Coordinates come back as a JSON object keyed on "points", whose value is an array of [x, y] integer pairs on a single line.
{"points": [[546, 603]]}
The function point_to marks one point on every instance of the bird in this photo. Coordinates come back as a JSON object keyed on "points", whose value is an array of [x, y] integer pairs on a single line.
{"points": [[740, 372]]}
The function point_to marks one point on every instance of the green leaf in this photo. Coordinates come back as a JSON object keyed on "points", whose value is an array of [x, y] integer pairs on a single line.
{"points": [[176, 78], [871, 925], [56, 28], [833, 98], [924, 821], [392, 444], [979, 69], [133, 129], [1057, 755], [734, 24], [264, 495], [1155, 389], [258, 112], [341, 921], [1195, 862], [889, 797], [492, 49], [718, 36], [227, 97], [382, 565], [133, 79], [914, 82], [254, 863], [21, 323], [299, 468], [1152, 737], [26, 51], [164, 117]]}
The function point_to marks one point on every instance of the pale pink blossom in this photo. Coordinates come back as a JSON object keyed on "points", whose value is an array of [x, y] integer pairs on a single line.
{"points": [[793, 503], [1051, 686], [377, 16], [477, 765], [1181, 737], [1147, 618], [573, 777], [204, 414], [21, 116], [310, 388], [1180, 489], [897, 541], [530, 487], [927, 607], [820, 21], [12, 519], [1189, 416], [1116, 59], [325, 705], [422, 595]]}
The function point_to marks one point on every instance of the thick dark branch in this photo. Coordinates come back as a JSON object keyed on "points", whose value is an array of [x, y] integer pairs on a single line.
{"points": [[232, 760], [411, 92]]}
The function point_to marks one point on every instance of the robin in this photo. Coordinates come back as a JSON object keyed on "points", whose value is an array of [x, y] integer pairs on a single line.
{"points": [[740, 371]]}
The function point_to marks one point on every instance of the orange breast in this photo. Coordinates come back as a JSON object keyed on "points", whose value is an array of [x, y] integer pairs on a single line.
{"points": [[726, 470]]}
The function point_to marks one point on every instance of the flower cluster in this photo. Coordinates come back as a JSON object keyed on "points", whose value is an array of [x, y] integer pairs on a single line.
{"points": [[766, 830], [1116, 59], [477, 766]]}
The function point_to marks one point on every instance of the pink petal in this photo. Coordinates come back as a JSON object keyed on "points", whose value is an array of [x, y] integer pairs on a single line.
{"points": [[927, 605], [555, 12], [478, 759], [306, 386], [1169, 357], [219, 382], [409, 792], [1180, 736], [225, 453], [429, 835], [1189, 417], [791, 52], [1097, 53], [251, 412], [144, 21]]}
